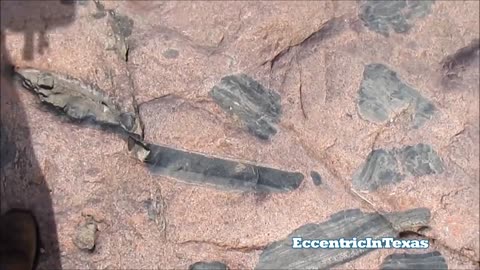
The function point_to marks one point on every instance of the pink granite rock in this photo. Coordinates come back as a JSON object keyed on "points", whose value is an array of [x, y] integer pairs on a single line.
{"points": [[160, 60]]}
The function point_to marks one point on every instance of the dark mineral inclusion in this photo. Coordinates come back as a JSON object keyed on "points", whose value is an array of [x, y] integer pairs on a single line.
{"points": [[382, 94], [404, 261], [316, 178], [257, 107], [346, 224], [399, 15], [384, 167], [211, 171], [208, 266]]}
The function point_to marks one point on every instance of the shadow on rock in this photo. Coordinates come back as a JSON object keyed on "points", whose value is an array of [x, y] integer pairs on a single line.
{"points": [[22, 184]]}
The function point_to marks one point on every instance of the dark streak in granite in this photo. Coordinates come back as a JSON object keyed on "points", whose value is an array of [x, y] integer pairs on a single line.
{"points": [[405, 261], [257, 107], [346, 224], [399, 15], [211, 171]]}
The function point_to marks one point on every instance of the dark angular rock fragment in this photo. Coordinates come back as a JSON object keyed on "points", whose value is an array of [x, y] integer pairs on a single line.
{"points": [[346, 224], [404, 261], [381, 168], [78, 100], [208, 266], [420, 160], [316, 178], [399, 16], [257, 107], [382, 94], [384, 167], [221, 173]]}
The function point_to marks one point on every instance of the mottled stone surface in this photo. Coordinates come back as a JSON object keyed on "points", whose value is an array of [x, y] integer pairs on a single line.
{"points": [[425, 261], [347, 224], [257, 107], [383, 95], [398, 16], [384, 167], [208, 266]]}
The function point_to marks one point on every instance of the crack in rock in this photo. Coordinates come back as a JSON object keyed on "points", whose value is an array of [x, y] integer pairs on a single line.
{"points": [[347, 224], [121, 26], [384, 167], [227, 247]]}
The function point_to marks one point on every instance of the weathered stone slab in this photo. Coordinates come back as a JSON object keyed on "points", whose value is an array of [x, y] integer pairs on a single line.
{"points": [[257, 107], [79, 100], [346, 224], [384, 167], [382, 95], [208, 266], [426, 261], [399, 16], [211, 171]]}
